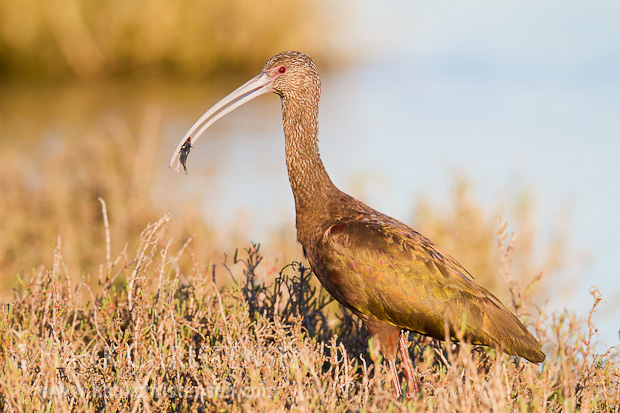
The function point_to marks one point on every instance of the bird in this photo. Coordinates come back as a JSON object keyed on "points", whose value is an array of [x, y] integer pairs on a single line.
{"points": [[389, 275]]}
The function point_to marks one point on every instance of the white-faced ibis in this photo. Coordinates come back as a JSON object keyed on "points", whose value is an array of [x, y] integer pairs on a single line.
{"points": [[389, 275]]}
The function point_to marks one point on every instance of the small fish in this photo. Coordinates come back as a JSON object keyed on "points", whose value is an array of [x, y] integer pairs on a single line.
{"points": [[187, 146]]}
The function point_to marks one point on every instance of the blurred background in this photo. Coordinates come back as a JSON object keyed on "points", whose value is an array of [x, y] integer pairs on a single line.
{"points": [[453, 117]]}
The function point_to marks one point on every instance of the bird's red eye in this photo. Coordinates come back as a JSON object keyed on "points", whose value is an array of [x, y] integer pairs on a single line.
{"points": [[282, 69]]}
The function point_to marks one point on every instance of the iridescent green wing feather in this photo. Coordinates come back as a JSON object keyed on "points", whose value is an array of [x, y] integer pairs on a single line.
{"points": [[388, 271]]}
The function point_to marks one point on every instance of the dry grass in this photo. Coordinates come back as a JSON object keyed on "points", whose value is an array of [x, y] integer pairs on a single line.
{"points": [[154, 338], [91, 39], [129, 315], [56, 192]]}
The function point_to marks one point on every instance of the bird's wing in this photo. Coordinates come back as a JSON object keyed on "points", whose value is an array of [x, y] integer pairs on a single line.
{"points": [[390, 272]]}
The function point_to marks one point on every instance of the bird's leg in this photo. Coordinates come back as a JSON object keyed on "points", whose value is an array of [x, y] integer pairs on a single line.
{"points": [[413, 386], [395, 381], [386, 335]]}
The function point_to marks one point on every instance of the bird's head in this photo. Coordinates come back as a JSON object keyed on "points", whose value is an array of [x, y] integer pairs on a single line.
{"points": [[287, 74], [292, 73]]}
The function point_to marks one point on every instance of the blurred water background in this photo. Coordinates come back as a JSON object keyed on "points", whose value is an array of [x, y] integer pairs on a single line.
{"points": [[521, 99]]}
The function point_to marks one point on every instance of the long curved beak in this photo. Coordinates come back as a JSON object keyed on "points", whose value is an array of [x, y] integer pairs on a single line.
{"points": [[253, 88]]}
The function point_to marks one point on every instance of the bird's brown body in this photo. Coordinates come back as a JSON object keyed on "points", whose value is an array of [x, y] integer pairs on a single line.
{"points": [[389, 275]]}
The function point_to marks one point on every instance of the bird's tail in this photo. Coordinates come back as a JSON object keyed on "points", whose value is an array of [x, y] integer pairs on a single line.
{"points": [[502, 327]]}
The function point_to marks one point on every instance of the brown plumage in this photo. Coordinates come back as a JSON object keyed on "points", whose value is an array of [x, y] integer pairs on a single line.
{"points": [[386, 273]]}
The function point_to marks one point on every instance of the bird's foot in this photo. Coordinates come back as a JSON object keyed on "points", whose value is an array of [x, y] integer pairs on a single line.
{"points": [[413, 387]]}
